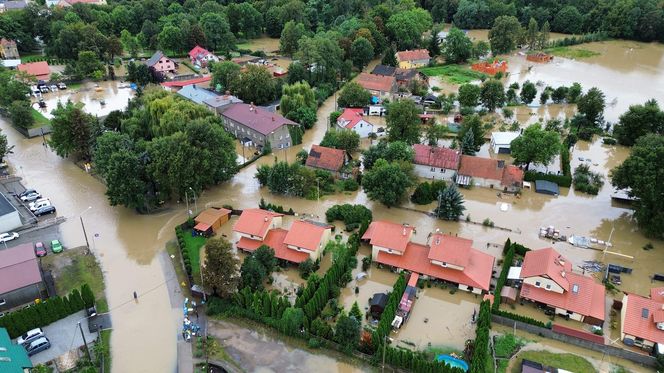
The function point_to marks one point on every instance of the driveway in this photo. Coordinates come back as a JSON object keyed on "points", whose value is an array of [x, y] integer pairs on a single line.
{"points": [[64, 335]]}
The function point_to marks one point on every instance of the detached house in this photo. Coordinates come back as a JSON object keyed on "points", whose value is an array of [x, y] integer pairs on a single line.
{"points": [[8, 50], [501, 141], [548, 280], [436, 163], [489, 173], [353, 119], [412, 59], [20, 277], [328, 159], [253, 124], [446, 258], [260, 227], [201, 57], [161, 63], [381, 87], [403, 76], [642, 320]]}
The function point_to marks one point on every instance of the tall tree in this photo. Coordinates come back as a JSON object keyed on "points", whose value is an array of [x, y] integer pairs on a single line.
{"points": [[543, 37], [535, 145], [469, 95], [472, 124], [290, 36], [387, 182], [389, 58], [73, 131], [20, 112], [406, 27], [638, 121], [492, 94], [224, 74], [361, 52], [254, 85], [353, 95], [468, 143], [643, 173], [457, 47], [504, 34], [450, 204], [297, 95], [393, 151], [591, 106], [434, 132], [532, 34], [403, 122], [217, 32], [220, 273], [347, 332], [528, 92]]}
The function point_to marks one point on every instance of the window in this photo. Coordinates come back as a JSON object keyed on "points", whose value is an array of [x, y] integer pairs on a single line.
{"points": [[575, 289], [538, 284], [3, 302], [548, 286], [433, 169], [288, 135], [442, 170], [281, 137]]}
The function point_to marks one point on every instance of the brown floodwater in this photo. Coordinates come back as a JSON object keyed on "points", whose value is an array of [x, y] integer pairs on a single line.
{"points": [[91, 95]]}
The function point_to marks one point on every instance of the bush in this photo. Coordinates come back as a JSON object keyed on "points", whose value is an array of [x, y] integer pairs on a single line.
{"points": [[487, 223], [586, 180], [427, 192], [350, 185], [351, 227], [348, 213], [564, 159], [306, 268], [609, 141], [366, 263], [561, 180]]}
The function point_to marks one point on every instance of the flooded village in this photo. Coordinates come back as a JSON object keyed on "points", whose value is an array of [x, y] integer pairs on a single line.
{"points": [[580, 285]]}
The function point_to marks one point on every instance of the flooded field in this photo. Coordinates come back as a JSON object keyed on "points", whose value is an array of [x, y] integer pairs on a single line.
{"points": [[91, 95]]}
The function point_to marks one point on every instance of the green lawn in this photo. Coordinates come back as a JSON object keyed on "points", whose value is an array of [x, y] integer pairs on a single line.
{"points": [[454, 74], [106, 340], [172, 249], [507, 344], [194, 245], [40, 119], [574, 53], [570, 362]]}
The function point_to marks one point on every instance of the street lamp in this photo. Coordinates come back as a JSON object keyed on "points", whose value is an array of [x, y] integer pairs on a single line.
{"points": [[80, 216], [195, 202]]}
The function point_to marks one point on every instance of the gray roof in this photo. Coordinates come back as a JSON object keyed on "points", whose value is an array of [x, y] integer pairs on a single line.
{"points": [[5, 206], [196, 94], [546, 187], [383, 70], [155, 58], [223, 100], [18, 4], [18, 268]]}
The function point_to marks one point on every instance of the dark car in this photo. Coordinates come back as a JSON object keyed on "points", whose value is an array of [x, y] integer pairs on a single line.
{"points": [[92, 311], [40, 249], [45, 210]]}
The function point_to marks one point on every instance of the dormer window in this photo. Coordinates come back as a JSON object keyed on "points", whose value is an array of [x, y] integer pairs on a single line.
{"points": [[538, 284], [575, 289]]}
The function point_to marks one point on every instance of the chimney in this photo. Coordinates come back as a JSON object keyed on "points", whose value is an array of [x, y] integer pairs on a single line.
{"points": [[562, 261], [404, 231], [438, 240], [273, 118], [265, 219], [562, 273], [501, 163]]}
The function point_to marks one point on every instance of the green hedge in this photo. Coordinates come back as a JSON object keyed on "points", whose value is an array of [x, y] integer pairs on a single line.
{"points": [[507, 263], [481, 343], [525, 319], [417, 362], [348, 213], [44, 313], [561, 180], [390, 310], [565, 159]]}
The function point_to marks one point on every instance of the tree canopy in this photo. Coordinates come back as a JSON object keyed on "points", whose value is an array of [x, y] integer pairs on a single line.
{"points": [[353, 95], [221, 270], [638, 121], [388, 182], [403, 122], [457, 47], [535, 145]]}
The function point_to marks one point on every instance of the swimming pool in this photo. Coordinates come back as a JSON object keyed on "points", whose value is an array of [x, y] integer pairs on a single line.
{"points": [[453, 362]]}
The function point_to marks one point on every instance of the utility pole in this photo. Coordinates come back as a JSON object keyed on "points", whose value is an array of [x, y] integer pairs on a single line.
{"points": [[87, 350], [186, 198], [85, 234]]}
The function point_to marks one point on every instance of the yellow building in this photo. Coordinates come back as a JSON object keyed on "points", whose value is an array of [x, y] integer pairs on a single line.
{"points": [[412, 59]]}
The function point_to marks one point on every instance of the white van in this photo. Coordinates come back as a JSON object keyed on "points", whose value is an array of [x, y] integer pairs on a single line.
{"points": [[30, 336], [33, 205]]}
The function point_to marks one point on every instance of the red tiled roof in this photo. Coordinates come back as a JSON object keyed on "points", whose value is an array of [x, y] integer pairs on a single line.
{"points": [[485, 168], [275, 240], [256, 118], [306, 235], [548, 263], [376, 82], [182, 83], [657, 294], [635, 307], [4, 41], [255, 222], [389, 235], [581, 334], [658, 316], [210, 215], [448, 249], [412, 280], [416, 259], [351, 117], [326, 158], [411, 55], [35, 68], [198, 51], [436, 157], [587, 300], [202, 227], [512, 176], [18, 268]]}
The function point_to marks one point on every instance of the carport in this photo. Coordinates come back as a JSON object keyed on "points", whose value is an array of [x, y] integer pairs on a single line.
{"points": [[546, 187]]}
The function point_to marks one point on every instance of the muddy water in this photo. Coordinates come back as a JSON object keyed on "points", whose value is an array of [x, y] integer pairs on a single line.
{"points": [[483, 34], [91, 95]]}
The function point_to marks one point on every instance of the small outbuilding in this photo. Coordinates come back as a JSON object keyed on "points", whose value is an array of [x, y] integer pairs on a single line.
{"points": [[508, 295], [211, 219], [377, 304], [547, 187]]}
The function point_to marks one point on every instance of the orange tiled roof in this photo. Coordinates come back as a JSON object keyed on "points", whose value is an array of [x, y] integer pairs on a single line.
{"points": [[640, 314], [416, 259], [448, 249], [485, 168], [35, 68], [657, 294], [389, 235], [326, 158], [211, 215], [351, 117], [547, 262], [512, 176], [255, 222], [411, 55], [376, 82], [585, 296], [306, 235], [275, 240], [436, 157]]}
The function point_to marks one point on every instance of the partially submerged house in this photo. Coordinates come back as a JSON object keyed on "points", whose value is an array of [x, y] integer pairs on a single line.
{"points": [[489, 173], [40, 70], [211, 219], [308, 237], [436, 163], [540, 57], [256, 125], [161, 63], [548, 280], [20, 276], [328, 159], [381, 87], [490, 68], [447, 258], [500, 141], [642, 320], [176, 85], [412, 59], [201, 57], [353, 119], [404, 77]]}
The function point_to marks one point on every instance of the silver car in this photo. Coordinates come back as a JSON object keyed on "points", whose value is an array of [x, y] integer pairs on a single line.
{"points": [[38, 345], [29, 337]]}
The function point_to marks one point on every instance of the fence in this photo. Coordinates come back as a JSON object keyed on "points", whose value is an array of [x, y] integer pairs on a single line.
{"points": [[548, 333], [34, 132]]}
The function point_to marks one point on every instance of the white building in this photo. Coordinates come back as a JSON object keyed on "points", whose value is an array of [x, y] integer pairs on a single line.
{"points": [[500, 141], [353, 119]]}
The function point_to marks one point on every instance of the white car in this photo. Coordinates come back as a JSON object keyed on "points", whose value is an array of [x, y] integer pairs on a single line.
{"points": [[4, 237], [36, 205], [31, 197]]}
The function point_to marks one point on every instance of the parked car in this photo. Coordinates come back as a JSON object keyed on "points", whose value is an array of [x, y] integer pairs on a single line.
{"points": [[29, 337], [62, 86], [40, 249], [26, 192], [45, 210], [92, 311], [39, 345], [31, 197], [36, 205], [53, 88], [44, 89], [56, 246], [4, 237]]}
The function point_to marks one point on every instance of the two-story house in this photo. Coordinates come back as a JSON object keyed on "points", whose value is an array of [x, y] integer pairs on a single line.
{"points": [[642, 320], [257, 125], [201, 57], [353, 120], [489, 173], [548, 280], [381, 87], [436, 163], [412, 59], [161, 63], [308, 237], [328, 159], [446, 258]]}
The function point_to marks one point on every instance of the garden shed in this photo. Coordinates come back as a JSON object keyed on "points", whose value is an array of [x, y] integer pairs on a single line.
{"points": [[547, 187], [377, 305], [211, 219]]}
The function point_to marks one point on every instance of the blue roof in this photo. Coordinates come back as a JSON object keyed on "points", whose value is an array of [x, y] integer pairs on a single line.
{"points": [[13, 358], [196, 94]]}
